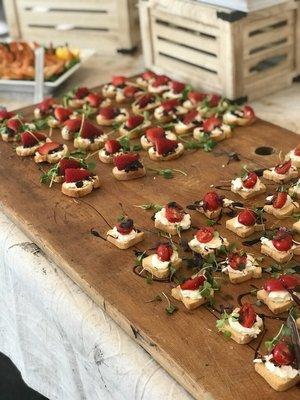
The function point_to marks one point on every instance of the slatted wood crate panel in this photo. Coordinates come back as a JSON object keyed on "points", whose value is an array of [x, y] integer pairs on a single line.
{"points": [[226, 51], [106, 25]]}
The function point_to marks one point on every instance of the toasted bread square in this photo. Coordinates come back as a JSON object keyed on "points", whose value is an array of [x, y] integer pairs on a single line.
{"points": [[243, 231], [280, 256], [125, 245], [277, 383], [159, 273], [276, 308]]}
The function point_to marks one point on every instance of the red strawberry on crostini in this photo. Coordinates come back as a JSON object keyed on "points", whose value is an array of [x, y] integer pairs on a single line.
{"points": [[81, 92], [165, 146], [247, 217], [118, 80], [47, 147], [4, 114], [214, 100], [62, 114], [170, 105], [284, 168], [122, 161], [68, 163], [125, 226], [297, 150], [134, 121], [76, 175], [153, 133], [46, 104], [89, 130], [279, 200], [73, 125], [237, 261], [177, 87], [283, 353], [190, 117], [205, 234], [146, 99], [112, 146], [212, 201], [109, 112], [196, 97], [130, 91], [211, 123], [14, 124], [30, 139], [160, 80], [282, 283], [147, 75], [193, 283], [283, 240], [94, 99], [174, 212], [164, 252], [248, 112], [250, 180], [247, 315]]}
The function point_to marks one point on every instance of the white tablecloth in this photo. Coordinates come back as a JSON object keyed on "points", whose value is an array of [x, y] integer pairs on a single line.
{"points": [[65, 346]]}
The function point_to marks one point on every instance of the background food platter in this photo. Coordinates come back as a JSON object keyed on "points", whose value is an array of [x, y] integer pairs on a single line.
{"points": [[27, 86], [71, 232]]}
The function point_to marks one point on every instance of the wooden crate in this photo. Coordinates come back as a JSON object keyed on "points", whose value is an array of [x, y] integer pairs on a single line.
{"points": [[230, 52], [106, 25]]}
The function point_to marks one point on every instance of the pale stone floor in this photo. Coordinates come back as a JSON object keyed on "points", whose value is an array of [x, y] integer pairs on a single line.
{"points": [[281, 108]]}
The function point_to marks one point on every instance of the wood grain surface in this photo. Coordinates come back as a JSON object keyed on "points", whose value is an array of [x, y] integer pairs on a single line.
{"points": [[186, 343]]}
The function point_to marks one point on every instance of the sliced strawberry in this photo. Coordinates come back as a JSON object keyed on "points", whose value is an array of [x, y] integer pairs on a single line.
{"points": [[297, 150], [237, 261], [47, 147], [211, 123], [273, 285], [125, 227], [214, 100], [109, 112], [212, 201], [14, 125], [146, 99], [76, 175], [4, 114], [73, 125], [46, 104], [118, 80], [160, 80], [170, 105], [62, 114], [282, 283], [283, 353], [81, 92], [147, 75], [30, 139], [279, 200], [190, 117], [284, 168], [164, 252], [247, 315], [289, 281], [153, 133], [122, 161], [90, 131], [193, 283], [196, 97], [177, 87], [165, 146], [174, 212], [247, 217], [250, 180], [130, 91], [68, 163], [248, 112], [112, 146], [134, 121], [94, 99], [205, 234], [283, 240]]}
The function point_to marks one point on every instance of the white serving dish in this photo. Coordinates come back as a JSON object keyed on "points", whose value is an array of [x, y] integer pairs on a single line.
{"points": [[23, 86]]}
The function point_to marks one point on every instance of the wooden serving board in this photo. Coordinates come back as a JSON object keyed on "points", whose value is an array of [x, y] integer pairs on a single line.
{"points": [[186, 343]]}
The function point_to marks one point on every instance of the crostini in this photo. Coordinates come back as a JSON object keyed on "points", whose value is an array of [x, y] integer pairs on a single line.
{"points": [[111, 148], [44, 108], [50, 152], [175, 91], [248, 185], [90, 137], [241, 267], [76, 97], [124, 235], [169, 110], [281, 205], [70, 128], [79, 182], [214, 129], [194, 99], [109, 115], [110, 89], [280, 246], [188, 122], [240, 116], [145, 79], [128, 94], [172, 219], [207, 241], [11, 129], [151, 134], [159, 84], [282, 173], [59, 116], [134, 126], [128, 166], [165, 149], [245, 223], [146, 102], [30, 142]]}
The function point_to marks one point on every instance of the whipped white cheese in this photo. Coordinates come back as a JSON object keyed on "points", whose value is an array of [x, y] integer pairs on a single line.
{"points": [[254, 331], [122, 238], [191, 294], [279, 296], [214, 244], [237, 185], [158, 264], [72, 185], [184, 224], [282, 371], [251, 264], [283, 176], [178, 149], [86, 141]]}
